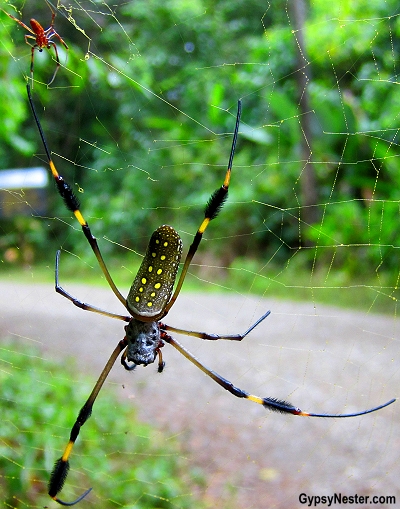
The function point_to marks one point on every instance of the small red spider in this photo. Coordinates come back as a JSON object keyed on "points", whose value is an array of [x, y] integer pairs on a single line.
{"points": [[42, 39]]}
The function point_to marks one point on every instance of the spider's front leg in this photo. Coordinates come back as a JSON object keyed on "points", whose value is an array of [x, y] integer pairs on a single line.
{"points": [[212, 209], [72, 203]]}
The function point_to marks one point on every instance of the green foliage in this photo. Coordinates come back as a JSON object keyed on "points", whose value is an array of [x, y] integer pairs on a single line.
{"points": [[129, 464], [369, 224], [147, 101]]}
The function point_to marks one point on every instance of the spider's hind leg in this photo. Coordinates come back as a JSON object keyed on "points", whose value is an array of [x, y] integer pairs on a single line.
{"points": [[61, 467], [274, 404]]}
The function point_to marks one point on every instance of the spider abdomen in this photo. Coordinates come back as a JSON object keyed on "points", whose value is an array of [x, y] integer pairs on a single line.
{"points": [[36, 27], [154, 282]]}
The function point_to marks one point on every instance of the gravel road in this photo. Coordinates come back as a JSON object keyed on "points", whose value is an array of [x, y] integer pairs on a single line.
{"points": [[322, 359]]}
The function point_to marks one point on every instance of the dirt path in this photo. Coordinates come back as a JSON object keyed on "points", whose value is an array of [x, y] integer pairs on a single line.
{"points": [[320, 360]]}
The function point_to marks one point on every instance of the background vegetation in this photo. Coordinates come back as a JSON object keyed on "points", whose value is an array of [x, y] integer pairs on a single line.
{"points": [[141, 120], [159, 477]]}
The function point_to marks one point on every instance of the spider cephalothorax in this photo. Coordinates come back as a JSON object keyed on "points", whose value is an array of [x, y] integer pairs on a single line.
{"points": [[144, 343]]}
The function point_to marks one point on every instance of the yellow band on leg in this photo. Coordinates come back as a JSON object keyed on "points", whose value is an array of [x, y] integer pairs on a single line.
{"points": [[227, 178], [67, 451], [256, 399], [204, 225], [53, 169], [80, 218]]}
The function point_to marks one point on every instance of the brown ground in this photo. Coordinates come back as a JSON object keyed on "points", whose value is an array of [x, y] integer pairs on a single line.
{"points": [[321, 360]]}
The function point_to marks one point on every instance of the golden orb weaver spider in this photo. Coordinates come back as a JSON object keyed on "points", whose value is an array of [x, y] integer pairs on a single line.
{"points": [[150, 298], [42, 38]]}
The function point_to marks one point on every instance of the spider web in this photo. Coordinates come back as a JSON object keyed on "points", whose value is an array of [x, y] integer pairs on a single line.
{"points": [[290, 251]]}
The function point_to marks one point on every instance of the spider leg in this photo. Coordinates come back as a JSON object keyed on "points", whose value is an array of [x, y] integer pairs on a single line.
{"points": [[33, 47], [61, 467], [72, 204], [52, 33], [128, 367], [19, 22], [53, 14], [273, 404], [80, 304], [213, 207], [161, 363], [27, 36], [52, 43], [213, 337]]}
